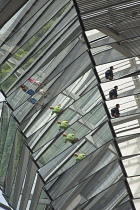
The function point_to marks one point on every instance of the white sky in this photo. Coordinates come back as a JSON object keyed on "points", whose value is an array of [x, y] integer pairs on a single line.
{"points": [[2, 200], [1, 97]]}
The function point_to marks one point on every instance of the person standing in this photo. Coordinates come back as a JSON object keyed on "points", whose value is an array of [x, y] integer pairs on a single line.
{"points": [[79, 156], [32, 92], [43, 92], [70, 138], [35, 82], [34, 101], [109, 73], [115, 111], [27, 90], [57, 109], [113, 93], [63, 124]]}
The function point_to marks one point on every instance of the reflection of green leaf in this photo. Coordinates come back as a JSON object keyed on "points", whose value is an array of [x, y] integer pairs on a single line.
{"points": [[19, 54], [28, 63], [5, 69], [5, 85]]}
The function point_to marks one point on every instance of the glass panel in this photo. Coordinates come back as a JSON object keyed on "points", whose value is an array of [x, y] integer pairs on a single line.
{"points": [[28, 184], [127, 205], [130, 147], [137, 204], [5, 115], [56, 88], [28, 46], [112, 173], [44, 60], [121, 68], [43, 73], [125, 85], [65, 101], [134, 183], [86, 101], [18, 145], [38, 194], [69, 73], [94, 140], [96, 115], [44, 207], [41, 207], [19, 97], [84, 83], [12, 127], [109, 155], [111, 195], [20, 176], [89, 121], [4, 70], [43, 195], [54, 150], [102, 135], [127, 107], [58, 100], [132, 165]]}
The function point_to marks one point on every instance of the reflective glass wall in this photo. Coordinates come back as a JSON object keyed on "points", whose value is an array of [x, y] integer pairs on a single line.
{"points": [[60, 148]]}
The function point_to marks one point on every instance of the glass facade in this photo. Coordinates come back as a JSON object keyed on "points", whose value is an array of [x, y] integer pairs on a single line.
{"points": [[60, 50]]}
